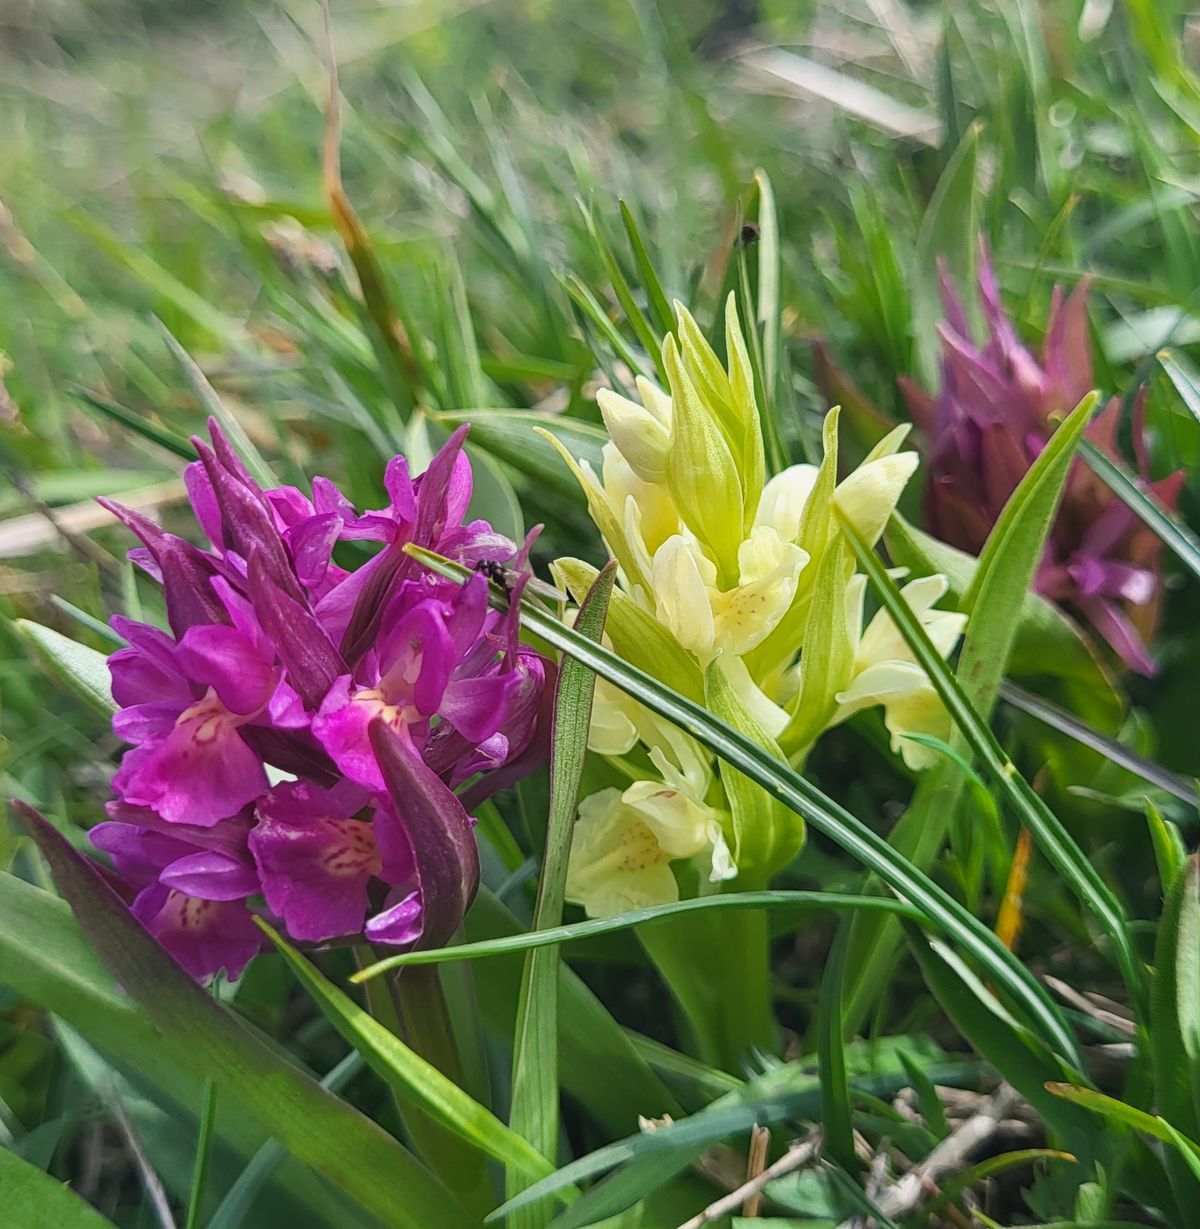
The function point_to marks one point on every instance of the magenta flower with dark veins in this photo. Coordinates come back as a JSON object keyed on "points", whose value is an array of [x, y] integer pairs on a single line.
{"points": [[297, 736], [998, 406]]}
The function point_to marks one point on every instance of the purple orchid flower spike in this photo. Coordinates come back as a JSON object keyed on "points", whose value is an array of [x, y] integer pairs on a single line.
{"points": [[378, 690], [998, 406]]}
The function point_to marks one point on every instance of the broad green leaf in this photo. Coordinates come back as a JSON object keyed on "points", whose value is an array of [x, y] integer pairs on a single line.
{"points": [[237, 1200], [82, 669], [822, 813], [1175, 1002], [63, 975], [35, 1200], [535, 1089], [349, 1149]]}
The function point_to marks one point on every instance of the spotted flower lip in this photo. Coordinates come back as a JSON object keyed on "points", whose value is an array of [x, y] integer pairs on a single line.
{"points": [[997, 407], [377, 689]]}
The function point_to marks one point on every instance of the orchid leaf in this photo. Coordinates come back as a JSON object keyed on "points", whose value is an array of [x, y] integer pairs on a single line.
{"points": [[349, 1149], [35, 1200], [413, 1079], [84, 670]]}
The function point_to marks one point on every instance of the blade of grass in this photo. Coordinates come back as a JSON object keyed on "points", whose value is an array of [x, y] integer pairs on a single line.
{"points": [[137, 423], [1173, 533], [534, 1112], [825, 815], [1051, 836], [204, 1153], [660, 307], [594, 927], [837, 1120], [214, 407], [1060, 719]]}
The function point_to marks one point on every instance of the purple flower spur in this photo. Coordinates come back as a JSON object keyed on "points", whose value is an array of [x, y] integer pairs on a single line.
{"points": [[297, 736], [997, 407]]}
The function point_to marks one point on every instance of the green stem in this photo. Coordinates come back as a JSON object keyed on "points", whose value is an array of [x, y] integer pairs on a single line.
{"points": [[718, 969], [414, 1008]]}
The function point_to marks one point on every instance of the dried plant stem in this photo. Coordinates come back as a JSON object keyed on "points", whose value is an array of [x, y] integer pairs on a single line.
{"points": [[799, 1154]]}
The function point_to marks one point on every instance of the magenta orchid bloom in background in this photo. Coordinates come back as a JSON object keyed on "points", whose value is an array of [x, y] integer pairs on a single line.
{"points": [[997, 407], [297, 736]]}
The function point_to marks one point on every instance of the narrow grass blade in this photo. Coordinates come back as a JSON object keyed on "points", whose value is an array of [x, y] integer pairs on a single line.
{"points": [[411, 1077], [135, 422], [660, 308], [214, 407], [837, 1120], [822, 813], [773, 899], [204, 1153], [641, 326], [1057, 718], [1174, 534], [534, 1113], [35, 1200], [1051, 836], [591, 308], [349, 1149]]}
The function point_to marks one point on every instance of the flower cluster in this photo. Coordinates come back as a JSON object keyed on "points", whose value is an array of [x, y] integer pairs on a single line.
{"points": [[738, 590], [298, 734], [997, 407]]}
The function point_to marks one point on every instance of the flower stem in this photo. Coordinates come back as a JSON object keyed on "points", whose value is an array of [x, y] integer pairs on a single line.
{"points": [[415, 1009]]}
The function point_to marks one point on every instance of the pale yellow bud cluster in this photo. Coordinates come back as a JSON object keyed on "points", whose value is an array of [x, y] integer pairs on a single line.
{"points": [[722, 570]]}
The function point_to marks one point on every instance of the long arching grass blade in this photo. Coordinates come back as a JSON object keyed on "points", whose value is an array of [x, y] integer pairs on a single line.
{"points": [[825, 815]]}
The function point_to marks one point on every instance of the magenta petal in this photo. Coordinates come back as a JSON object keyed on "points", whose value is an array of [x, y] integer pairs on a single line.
{"points": [[476, 707], [201, 773], [400, 925], [205, 936], [342, 727], [211, 874], [141, 723], [315, 861], [224, 659], [419, 656]]}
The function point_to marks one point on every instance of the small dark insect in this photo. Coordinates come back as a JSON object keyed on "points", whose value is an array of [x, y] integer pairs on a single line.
{"points": [[749, 234], [496, 572]]}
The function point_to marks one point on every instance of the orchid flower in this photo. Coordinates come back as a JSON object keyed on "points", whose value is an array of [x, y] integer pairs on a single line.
{"points": [[997, 407], [723, 568], [297, 735]]}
